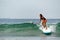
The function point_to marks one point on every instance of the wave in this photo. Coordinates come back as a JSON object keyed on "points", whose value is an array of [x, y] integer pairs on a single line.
{"points": [[24, 29], [58, 27], [17, 27], [58, 24]]}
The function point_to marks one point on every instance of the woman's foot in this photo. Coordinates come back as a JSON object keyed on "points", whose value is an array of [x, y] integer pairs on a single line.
{"points": [[46, 28]]}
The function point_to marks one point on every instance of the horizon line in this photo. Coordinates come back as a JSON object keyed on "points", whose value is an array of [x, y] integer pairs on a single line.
{"points": [[28, 18]]}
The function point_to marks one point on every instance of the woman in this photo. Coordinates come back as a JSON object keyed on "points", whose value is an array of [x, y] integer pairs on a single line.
{"points": [[43, 20]]}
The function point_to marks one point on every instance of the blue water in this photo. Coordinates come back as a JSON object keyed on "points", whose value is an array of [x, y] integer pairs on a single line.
{"points": [[17, 21]]}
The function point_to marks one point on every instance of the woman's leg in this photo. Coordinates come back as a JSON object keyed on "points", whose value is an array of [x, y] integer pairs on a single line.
{"points": [[44, 25]]}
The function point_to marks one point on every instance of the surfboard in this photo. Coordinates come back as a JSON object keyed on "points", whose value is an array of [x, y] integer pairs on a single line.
{"points": [[47, 31]]}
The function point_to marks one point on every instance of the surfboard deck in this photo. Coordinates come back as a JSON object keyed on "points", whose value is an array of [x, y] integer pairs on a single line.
{"points": [[46, 31]]}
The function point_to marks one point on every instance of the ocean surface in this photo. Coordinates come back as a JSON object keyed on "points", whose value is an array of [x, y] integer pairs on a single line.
{"points": [[26, 27]]}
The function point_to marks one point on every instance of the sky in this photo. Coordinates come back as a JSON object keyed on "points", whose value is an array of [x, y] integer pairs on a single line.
{"points": [[29, 9]]}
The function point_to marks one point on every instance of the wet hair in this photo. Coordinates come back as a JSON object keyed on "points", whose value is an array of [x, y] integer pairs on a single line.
{"points": [[41, 15], [43, 18]]}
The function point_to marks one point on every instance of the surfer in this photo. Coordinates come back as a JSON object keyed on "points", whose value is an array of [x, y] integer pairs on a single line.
{"points": [[43, 20]]}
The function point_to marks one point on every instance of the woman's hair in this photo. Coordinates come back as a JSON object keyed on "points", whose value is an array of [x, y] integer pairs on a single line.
{"points": [[41, 16]]}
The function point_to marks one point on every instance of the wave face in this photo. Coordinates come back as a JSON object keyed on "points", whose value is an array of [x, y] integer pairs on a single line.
{"points": [[26, 27], [58, 29]]}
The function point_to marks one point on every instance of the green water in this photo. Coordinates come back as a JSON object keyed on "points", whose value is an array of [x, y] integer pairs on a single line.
{"points": [[58, 30], [25, 29]]}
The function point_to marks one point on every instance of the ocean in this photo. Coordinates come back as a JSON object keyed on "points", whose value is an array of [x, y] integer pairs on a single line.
{"points": [[27, 28]]}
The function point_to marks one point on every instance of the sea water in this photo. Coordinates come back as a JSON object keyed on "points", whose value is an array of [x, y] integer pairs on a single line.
{"points": [[27, 28]]}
